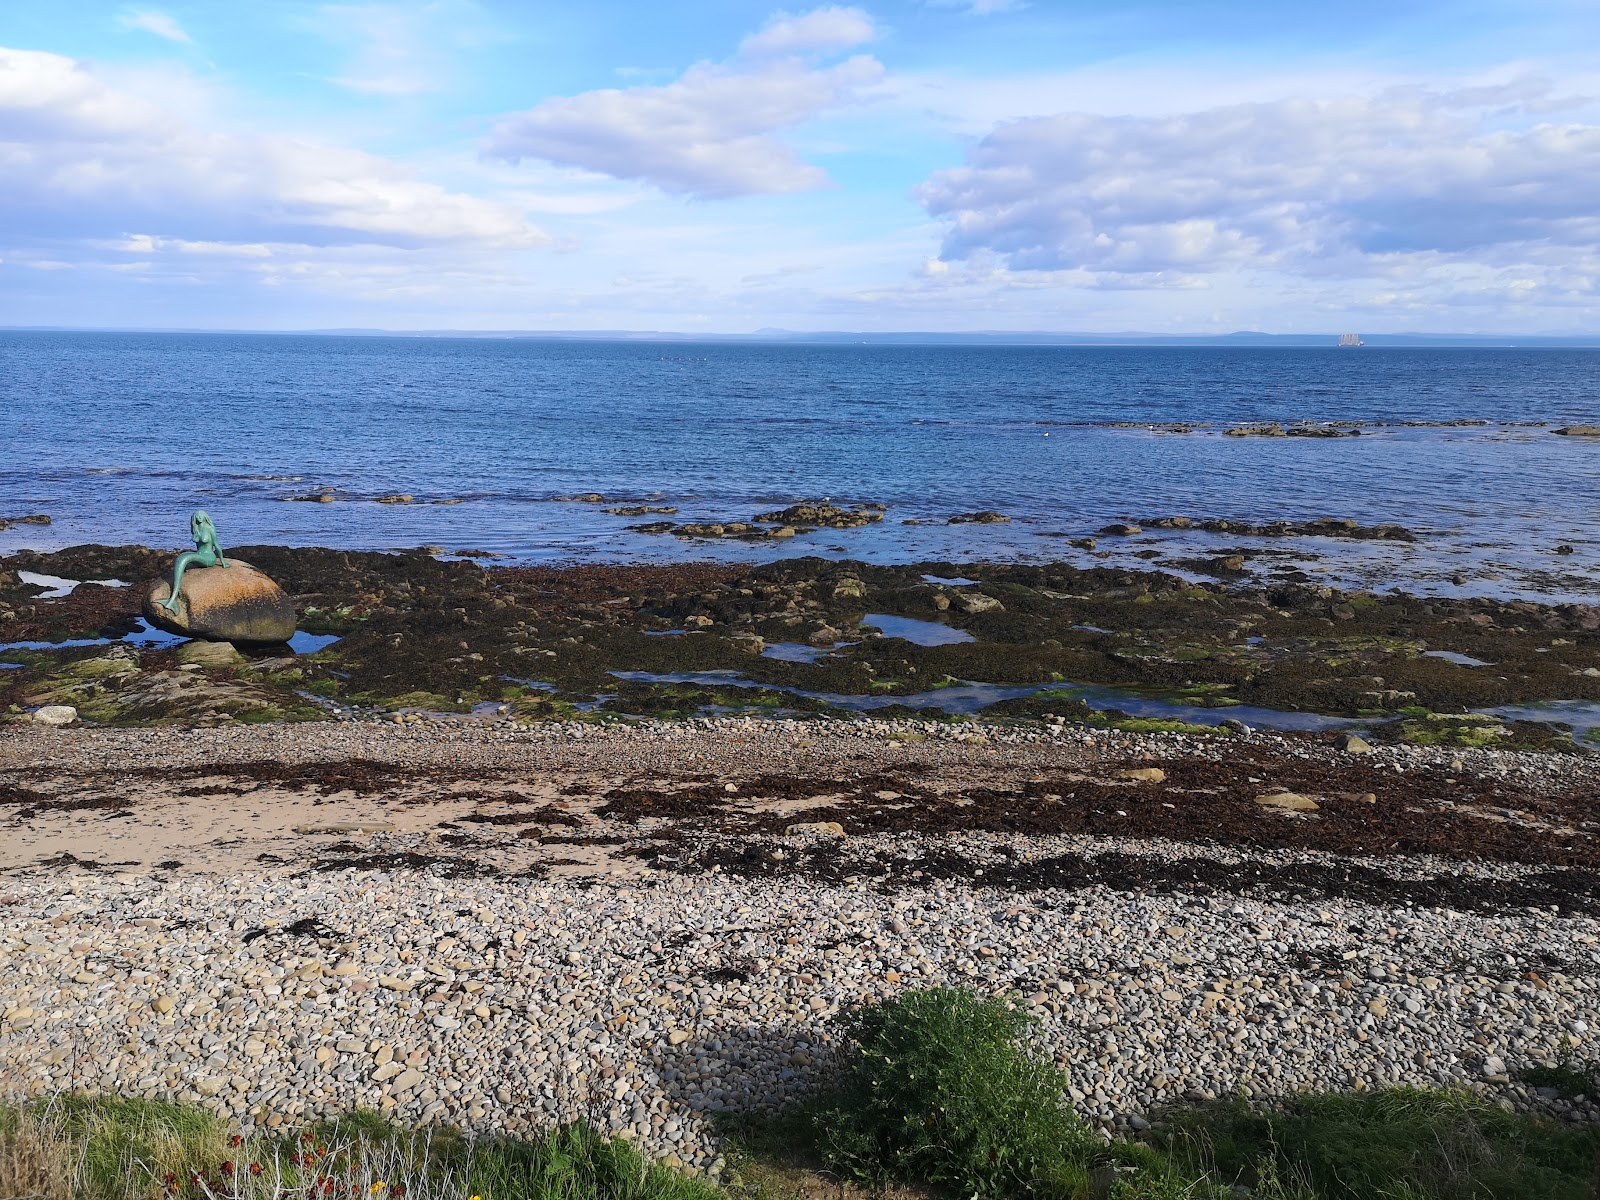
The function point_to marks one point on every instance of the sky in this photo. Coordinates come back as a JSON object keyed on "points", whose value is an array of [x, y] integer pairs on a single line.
{"points": [[1163, 166]]}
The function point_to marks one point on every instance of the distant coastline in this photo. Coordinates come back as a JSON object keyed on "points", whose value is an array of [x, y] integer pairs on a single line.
{"points": [[1241, 338]]}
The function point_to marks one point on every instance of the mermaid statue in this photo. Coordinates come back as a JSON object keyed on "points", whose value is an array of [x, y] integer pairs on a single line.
{"points": [[206, 553]]}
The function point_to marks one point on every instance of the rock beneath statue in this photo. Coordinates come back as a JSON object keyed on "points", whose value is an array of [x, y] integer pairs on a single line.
{"points": [[236, 603], [209, 654]]}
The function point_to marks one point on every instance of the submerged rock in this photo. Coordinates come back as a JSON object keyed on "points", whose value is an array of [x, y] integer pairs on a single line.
{"points": [[829, 515], [236, 603], [978, 518]]}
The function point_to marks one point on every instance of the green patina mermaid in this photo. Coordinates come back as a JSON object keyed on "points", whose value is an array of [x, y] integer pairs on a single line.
{"points": [[206, 553]]}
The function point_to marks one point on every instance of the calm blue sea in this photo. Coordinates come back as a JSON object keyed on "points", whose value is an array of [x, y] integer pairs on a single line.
{"points": [[119, 436]]}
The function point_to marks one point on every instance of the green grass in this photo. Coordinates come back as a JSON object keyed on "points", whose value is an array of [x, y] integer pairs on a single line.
{"points": [[1399, 1144], [117, 1149]]}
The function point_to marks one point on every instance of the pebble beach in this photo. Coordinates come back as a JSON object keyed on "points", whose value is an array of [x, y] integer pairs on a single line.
{"points": [[665, 983]]}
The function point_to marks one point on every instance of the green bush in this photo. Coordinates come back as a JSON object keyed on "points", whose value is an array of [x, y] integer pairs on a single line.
{"points": [[939, 1088]]}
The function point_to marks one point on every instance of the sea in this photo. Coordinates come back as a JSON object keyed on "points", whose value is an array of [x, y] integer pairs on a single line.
{"points": [[117, 437]]}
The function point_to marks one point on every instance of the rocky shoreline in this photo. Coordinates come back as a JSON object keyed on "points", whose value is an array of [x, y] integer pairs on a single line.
{"points": [[414, 634], [505, 846]]}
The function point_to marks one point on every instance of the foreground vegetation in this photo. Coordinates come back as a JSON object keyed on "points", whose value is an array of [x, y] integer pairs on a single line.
{"points": [[939, 1094]]}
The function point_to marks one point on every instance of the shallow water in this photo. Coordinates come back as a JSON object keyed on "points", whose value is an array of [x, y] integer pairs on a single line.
{"points": [[485, 433], [918, 633], [1453, 656], [970, 698], [1582, 715], [147, 637]]}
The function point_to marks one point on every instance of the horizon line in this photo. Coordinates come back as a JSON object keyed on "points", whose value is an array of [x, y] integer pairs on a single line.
{"points": [[1067, 337]]}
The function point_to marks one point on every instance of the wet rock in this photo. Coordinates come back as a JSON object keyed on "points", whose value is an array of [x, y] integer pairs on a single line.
{"points": [[783, 531], [1564, 549], [34, 519], [640, 510], [209, 654], [317, 497], [396, 498], [941, 602], [1353, 743], [1121, 529], [56, 715], [976, 602], [978, 518], [828, 515], [1320, 431], [236, 603], [827, 635], [1578, 431]]}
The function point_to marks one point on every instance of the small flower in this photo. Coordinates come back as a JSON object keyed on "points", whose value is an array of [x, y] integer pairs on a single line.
{"points": [[377, 1187], [255, 1168], [227, 1167], [236, 1140]]}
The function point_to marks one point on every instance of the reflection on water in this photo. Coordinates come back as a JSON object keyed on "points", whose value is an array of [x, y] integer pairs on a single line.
{"points": [[799, 652], [1452, 656], [145, 636], [918, 633]]}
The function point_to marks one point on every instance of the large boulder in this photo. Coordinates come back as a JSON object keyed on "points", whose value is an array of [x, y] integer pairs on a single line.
{"points": [[236, 603]]}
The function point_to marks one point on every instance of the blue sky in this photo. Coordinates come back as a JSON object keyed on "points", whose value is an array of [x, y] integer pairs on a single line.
{"points": [[727, 165]]}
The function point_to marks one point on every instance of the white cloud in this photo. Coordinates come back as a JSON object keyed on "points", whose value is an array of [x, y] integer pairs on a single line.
{"points": [[819, 31], [1312, 187], [709, 133], [163, 25], [79, 159]]}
